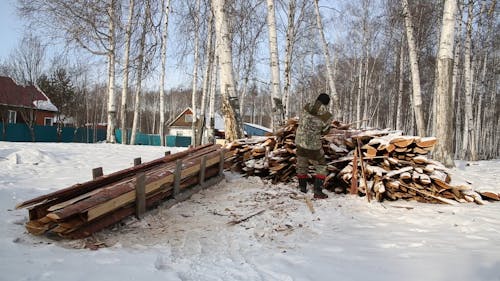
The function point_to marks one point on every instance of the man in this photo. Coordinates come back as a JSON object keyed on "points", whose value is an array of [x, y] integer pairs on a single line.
{"points": [[313, 123]]}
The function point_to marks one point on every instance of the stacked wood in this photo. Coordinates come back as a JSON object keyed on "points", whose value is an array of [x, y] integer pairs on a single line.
{"points": [[379, 164], [82, 209], [274, 157]]}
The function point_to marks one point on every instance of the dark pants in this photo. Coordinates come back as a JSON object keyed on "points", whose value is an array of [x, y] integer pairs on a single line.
{"points": [[317, 157]]}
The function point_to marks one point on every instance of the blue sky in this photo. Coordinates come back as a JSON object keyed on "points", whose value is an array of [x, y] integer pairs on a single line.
{"points": [[11, 27]]}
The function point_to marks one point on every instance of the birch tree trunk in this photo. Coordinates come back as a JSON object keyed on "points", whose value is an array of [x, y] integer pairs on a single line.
{"points": [[140, 63], [331, 75], [290, 40], [126, 68], [211, 105], [206, 80], [110, 133], [415, 76], [468, 133], [166, 12], [276, 98], [233, 128], [358, 98], [196, 58], [443, 151], [399, 105]]}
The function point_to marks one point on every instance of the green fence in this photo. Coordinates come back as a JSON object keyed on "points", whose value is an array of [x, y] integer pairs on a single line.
{"points": [[21, 133], [151, 139]]}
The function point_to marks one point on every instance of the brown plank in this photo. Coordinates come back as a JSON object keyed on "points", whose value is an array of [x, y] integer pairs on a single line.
{"points": [[81, 188]]}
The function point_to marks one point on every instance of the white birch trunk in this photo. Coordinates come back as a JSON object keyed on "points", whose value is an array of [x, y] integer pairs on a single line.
{"points": [[163, 66], [443, 151], [196, 59], [290, 40], [138, 87], [110, 133], [276, 98], [232, 121], [399, 105], [126, 68], [468, 132], [211, 105], [331, 75], [206, 80], [415, 76], [358, 98]]}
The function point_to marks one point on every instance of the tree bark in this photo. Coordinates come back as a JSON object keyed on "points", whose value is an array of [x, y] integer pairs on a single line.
{"points": [[196, 58], [232, 120], [443, 151], [166, 12], [399, 105], [469, 130], [126, 68], [290, 40], [276, 97], [138, 87], [110, 136], [417, 96], [206, 80]]}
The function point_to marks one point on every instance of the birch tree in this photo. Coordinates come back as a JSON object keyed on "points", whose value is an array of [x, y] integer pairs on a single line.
{"points": [[209, 60], [330, 71], [165, 14], [276, 98], [290, 38], [399, 105], [140, 69], [415, 75], [110, 133], [196, 58], [443, 151], [126, 68], [468, 144], [233, 127]]}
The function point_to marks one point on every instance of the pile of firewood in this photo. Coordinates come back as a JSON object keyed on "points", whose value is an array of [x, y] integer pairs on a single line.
{"points": [[379, 164], [82, 209]]}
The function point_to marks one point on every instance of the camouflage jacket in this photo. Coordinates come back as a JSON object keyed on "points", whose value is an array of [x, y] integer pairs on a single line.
{"points": [[312, 127]]}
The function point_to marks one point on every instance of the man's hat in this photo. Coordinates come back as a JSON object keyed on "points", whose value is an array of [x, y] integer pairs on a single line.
{"points": [[323, 98]]}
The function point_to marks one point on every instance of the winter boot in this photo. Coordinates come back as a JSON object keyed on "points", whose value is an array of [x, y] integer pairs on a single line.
{"points": [[318, 187], [302, 183]]}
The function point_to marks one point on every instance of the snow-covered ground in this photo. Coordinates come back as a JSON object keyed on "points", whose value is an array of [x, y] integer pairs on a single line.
{"points": [[346, 238]]}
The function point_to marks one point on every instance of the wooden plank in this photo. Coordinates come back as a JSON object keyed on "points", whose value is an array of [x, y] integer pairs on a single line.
{"points": [[137, 161], [397, 172], [97, 172], [140, 195], [203, 167], [177, 177], [81, 188], [426, 142], [354, 180], [130, 196], [155, 179]]}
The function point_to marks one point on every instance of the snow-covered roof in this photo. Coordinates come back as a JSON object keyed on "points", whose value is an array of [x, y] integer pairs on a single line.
{"points": [[45, 105]]}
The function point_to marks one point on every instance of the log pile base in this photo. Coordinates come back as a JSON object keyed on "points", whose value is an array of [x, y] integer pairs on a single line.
{"points": [[83, 209]]}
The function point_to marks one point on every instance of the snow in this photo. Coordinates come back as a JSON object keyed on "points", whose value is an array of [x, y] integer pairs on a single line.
{"points": [[346, 238], [45, 105]]}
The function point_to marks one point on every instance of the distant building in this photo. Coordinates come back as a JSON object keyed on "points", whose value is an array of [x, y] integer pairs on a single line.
{"points": [[16, 100], [182, 126]]}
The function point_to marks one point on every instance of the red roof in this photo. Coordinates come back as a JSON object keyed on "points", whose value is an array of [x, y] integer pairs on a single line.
{"points": [[20, 96]]}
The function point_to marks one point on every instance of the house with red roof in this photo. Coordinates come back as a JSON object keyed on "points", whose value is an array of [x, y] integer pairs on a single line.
{"points": [[17, 100]]}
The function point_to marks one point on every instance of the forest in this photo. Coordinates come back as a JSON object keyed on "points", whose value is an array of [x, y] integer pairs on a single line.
{"points": [[427, 68]]}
